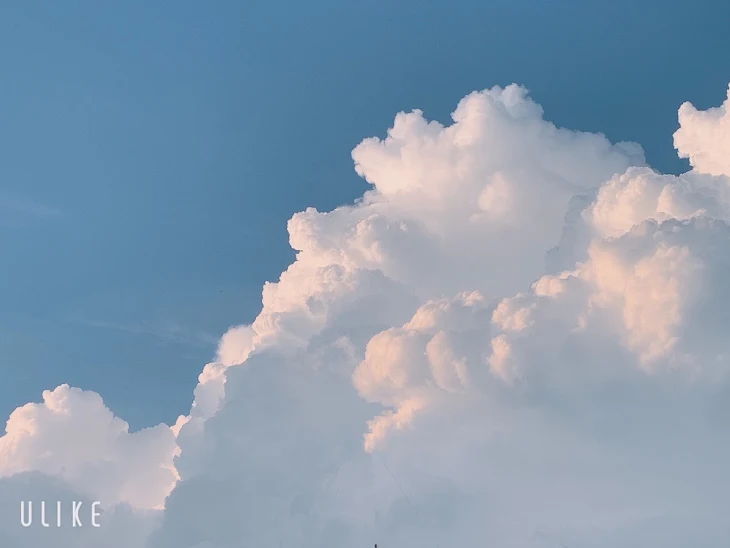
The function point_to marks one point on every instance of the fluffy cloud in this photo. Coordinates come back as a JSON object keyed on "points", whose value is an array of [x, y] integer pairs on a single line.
{"points": [[447, 196], [640, 194], [517, 337], [73, 436], [704, 138]]}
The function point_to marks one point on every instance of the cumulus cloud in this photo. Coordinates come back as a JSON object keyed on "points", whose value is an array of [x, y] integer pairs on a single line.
{"points": [[72, 435], [517, 337], [704, 137]]}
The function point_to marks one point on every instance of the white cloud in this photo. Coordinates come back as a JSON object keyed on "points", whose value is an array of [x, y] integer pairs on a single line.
{"points": [[499, 173], [640, 194], [432, 369], [73, 436], [704, 138]]}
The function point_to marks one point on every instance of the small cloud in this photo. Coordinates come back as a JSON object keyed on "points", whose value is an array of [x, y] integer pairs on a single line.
{"points": [[166, 332], [18, 211]]}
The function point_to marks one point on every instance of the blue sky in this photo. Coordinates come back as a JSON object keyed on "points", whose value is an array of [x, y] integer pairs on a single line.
{"points": [[151, 155]]}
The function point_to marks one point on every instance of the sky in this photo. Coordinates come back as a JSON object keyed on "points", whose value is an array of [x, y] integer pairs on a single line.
{"points": [[486, 313]]}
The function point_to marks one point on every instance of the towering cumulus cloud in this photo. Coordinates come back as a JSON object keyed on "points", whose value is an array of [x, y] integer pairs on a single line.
{"points": [[516, 338]]}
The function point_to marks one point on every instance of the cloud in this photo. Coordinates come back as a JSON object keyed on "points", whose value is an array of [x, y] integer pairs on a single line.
{"points": [[704, 138], [19, 211], [73, 436], [499, 173], [517, 337], [167, 332]]}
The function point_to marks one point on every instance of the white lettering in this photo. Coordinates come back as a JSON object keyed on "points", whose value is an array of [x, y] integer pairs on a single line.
{"points": [[22, 513], [76, 513], [95, 514], [26, 513], [43, 514]]}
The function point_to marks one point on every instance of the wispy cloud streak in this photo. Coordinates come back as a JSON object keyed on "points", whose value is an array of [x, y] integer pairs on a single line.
{"points": [[19, 211]]}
